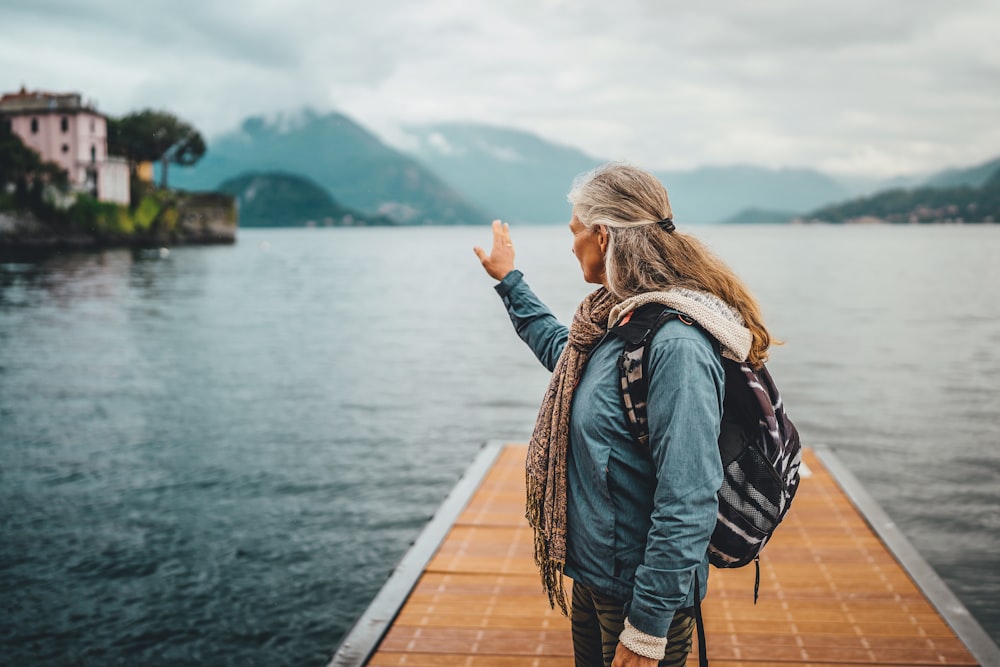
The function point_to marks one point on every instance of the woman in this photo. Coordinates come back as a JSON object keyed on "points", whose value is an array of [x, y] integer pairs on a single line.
{"points": [[629, 525]]}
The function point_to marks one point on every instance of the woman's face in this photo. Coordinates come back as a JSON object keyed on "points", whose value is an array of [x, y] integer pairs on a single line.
{"points": [[589, 246]]}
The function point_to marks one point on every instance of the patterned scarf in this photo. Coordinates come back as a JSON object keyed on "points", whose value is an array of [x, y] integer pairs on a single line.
{"points": [[545, 466]]}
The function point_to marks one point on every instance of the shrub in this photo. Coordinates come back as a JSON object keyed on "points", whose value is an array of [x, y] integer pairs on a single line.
{"points": [[145, 212], [100, 218]]}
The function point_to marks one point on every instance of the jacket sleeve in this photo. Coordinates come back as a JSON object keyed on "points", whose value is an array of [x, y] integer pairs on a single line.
{"points": [[687, 384], [532, 320]]}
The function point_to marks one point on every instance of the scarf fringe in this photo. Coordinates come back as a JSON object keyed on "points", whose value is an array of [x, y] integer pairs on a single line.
{"points": [[550, 568], [545, 466]]}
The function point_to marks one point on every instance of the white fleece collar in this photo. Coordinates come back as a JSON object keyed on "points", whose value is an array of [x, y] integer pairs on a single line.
{"points": [[712, 313]]}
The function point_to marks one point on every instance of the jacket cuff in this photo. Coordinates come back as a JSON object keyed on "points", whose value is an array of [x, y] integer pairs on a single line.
{"points": [[508, 283], [637, 641]]}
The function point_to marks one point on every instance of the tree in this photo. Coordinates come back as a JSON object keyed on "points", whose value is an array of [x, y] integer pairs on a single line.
{"points": [[152, 136], [24, 168]]}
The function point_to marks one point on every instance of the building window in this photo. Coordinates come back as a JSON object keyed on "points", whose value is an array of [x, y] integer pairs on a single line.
{"points": [[34, 126], [65, 148], [93, 127], [64, 124], [93, 154]]}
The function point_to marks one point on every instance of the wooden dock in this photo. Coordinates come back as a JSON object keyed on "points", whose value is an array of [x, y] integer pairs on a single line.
{"points": [[839, 586]]}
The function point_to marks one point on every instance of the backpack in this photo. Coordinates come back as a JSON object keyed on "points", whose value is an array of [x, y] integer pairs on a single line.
{"points": [[758, 443]]}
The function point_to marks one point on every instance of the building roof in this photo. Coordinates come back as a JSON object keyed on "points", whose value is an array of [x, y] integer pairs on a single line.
{"points": [[38, 101]]}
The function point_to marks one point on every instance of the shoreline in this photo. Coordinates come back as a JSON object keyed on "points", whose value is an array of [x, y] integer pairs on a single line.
{"points": [[186, 219]]}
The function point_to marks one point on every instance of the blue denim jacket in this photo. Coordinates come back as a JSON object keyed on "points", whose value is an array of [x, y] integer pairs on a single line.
{"points": [[638, 521]]}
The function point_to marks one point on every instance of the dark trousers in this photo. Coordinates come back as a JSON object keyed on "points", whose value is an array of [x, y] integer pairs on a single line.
{"points": [[597, 621]]}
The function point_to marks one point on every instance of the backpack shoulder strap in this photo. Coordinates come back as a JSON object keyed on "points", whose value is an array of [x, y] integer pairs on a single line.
{"points": [[637, 329]]}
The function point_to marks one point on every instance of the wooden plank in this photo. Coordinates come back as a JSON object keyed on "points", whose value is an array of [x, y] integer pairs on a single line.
{"points": [[831, 593]]}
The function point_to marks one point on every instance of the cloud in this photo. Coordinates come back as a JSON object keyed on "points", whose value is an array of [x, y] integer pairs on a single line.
{"points": [[884, 87]]}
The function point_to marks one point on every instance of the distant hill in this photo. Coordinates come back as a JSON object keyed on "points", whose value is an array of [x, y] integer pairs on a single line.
{"points": [[860, 186], [275, 199], [716, 194], [339, 155], [972, 176], [753, 216], [515, 175], [961, 204], [470, 173], [522, 177]]}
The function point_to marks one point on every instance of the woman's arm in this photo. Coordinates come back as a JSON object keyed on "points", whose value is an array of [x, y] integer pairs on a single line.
{"points": [[686, 388], [532, 320]]}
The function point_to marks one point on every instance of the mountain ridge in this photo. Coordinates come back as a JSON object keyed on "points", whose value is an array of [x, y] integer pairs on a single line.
{"points": [[516, 175], [522, 176], [351, 163], [923, 205], [464, 172]]}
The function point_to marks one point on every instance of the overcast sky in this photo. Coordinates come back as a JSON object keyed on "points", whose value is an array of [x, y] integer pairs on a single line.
{"points": [[853, 87]]}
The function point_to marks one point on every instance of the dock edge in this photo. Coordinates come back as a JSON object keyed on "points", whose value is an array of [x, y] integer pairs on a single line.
{"points": [[361, 641], [977, 641]]}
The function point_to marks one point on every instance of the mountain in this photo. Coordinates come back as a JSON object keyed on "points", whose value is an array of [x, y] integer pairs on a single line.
{"points": [[339, 155], [971, 176], [467, 172], [276, 199], [515, 175], [860, 186], [925, 204], [754, 216], [523, 178], [715, 194]]}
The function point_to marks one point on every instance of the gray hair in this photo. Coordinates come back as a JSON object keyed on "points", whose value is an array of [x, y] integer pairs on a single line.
{"points": [[643, 257], [628, 201]]}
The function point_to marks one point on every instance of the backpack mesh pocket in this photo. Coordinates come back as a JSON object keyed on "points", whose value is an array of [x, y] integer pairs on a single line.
{"points": [[750, 502]]}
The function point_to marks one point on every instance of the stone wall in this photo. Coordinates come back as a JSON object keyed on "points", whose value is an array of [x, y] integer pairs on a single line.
{"points": [[180, 218], [205, 217]]}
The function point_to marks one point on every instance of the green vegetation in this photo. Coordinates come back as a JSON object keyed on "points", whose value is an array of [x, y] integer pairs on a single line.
{"points": [[965, 204], [45, 212], [155, 136], [114, 222], [20, 165], [276, 199], [160, 217], [41, 189], [25, 178]]}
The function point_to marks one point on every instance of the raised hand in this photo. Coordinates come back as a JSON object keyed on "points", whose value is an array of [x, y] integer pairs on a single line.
{"points": [[500, 261]]}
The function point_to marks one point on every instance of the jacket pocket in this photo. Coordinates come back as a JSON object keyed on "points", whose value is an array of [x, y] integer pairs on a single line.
{"points": [[625, 563]]}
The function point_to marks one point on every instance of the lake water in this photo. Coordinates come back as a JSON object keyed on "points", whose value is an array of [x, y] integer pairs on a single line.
{"points": [[216, 457]]}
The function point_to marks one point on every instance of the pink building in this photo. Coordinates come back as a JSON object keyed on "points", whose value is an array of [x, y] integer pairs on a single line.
{"points": [[64, 130]]}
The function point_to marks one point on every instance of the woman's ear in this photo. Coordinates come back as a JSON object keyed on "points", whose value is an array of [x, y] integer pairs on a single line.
{"points": [[602, 237]]}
